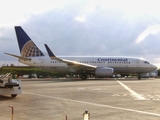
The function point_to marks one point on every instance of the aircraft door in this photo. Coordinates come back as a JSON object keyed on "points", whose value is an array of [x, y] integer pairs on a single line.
{"points": [[42, 62], [137, 63]]}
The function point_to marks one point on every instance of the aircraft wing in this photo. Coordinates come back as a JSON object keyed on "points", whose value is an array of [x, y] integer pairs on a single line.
{"points": [[69, 62], [19, 57]]}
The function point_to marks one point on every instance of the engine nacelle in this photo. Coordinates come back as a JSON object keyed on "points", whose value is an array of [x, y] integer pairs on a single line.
{"points": [[104, 72]]}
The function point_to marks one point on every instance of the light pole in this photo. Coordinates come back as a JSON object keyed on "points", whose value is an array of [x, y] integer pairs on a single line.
{"points": [[12, 110]]}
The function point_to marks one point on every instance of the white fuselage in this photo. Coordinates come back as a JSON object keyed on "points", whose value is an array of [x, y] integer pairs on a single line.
{"points": [[119, 64]]}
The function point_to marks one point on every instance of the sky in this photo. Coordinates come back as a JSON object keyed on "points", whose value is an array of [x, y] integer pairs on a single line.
{"points": [[83, 27]]}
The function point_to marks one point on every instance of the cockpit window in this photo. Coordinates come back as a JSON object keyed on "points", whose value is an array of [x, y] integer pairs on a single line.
{"points": [[146, 62]]}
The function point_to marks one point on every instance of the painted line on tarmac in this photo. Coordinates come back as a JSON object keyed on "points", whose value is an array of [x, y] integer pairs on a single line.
{"points": [[95, 104], [133, 93]]}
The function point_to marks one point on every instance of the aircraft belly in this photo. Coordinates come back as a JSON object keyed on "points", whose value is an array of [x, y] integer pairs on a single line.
{"points": [[132, 70], [58, 69]]}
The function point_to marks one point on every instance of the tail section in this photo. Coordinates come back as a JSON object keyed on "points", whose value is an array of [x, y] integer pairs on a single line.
{"points": [[26, 46]]}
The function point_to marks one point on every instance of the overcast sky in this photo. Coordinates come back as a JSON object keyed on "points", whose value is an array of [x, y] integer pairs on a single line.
{"points": [[83, 27]]}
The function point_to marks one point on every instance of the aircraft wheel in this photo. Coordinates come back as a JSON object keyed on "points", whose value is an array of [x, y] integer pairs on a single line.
{"points": [[13, 95], [139, 77], [83, 77]]}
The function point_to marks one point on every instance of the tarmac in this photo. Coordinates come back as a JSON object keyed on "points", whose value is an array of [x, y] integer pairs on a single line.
{"points": [[68, 98]]}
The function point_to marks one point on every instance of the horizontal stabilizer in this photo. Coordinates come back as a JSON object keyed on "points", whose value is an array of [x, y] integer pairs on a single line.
{"points": [[23, 58]]}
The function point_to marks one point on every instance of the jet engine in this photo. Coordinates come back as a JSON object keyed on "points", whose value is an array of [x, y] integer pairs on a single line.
{"points": [[104, 72]]}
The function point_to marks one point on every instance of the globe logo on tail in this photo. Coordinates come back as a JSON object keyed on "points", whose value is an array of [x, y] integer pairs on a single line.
{"points": [[31, 50]]}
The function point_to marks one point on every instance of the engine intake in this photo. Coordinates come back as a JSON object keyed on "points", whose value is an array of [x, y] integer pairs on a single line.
{"points": [[104, 72]]}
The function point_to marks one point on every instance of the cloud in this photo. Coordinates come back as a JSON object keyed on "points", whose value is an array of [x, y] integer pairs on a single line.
{"points": [[154, 29], [19, 11], [75, 29], [81, 18]]}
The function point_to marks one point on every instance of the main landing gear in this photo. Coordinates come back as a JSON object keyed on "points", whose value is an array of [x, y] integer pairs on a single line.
{"points": [[139, 77], [84, 77]]}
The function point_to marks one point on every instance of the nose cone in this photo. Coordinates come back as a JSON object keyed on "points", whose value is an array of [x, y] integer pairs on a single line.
{"points": [[154, 67]]}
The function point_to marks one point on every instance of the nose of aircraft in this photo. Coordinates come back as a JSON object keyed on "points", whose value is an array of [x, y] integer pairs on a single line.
{"points": [[154, 67]]}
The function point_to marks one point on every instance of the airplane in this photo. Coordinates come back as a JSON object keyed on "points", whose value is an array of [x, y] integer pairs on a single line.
{"points": [[99, 66]]}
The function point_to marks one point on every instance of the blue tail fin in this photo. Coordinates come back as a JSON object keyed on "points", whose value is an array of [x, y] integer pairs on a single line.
{"points": [[26, 46], [50, 53]]}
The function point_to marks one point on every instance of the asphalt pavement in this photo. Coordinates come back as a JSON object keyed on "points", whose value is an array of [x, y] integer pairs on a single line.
{"points": [[105, 99]]}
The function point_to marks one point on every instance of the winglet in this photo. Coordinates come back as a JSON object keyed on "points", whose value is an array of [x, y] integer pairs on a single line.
{"points": [[68, 62], [50, 53]]}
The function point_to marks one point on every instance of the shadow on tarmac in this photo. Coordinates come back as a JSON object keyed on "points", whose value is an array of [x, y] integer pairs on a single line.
{"points": [[90, 79], [4, 98]]}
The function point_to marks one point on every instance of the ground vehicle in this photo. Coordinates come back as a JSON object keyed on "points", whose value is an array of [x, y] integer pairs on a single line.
{"points": [[9, 86]]}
